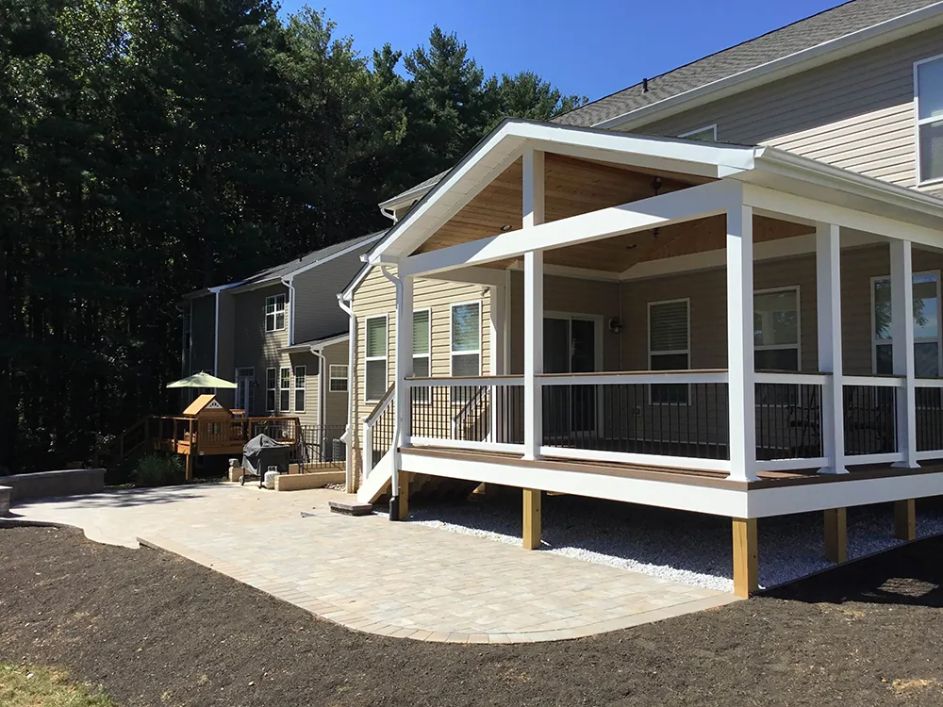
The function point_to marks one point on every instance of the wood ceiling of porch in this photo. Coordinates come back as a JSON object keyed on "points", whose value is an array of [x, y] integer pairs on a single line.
{"points": [[574, 187]]}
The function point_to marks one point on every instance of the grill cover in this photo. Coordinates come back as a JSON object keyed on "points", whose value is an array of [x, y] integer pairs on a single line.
{"points": [[261, 452]]}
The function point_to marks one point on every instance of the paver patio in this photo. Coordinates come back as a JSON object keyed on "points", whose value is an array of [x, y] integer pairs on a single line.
{"points": [[395, 579]]}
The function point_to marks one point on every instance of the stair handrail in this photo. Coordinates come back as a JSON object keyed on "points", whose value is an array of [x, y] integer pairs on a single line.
{"points": [[368, 424]]}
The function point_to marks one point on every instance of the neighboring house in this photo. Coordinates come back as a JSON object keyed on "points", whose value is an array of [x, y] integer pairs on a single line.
{"points": [[716, 291], [279, 336]]}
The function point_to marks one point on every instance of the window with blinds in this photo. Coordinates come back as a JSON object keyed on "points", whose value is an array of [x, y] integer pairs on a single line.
{"points": [[301, 375], [669, 347], [376, 350], [929, 107], [284, 389], [466, 339], [421, 351], [270, 387], [338, 378]]}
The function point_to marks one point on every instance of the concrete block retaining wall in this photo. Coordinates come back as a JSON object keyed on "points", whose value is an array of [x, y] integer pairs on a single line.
{"points": [[63, 482]]}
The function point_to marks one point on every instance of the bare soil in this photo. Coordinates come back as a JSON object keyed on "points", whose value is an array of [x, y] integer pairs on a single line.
{"points": [[155, 629]]}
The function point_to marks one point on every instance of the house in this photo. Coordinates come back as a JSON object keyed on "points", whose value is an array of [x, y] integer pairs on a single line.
{"points": [[716, 291], [280, 336]]}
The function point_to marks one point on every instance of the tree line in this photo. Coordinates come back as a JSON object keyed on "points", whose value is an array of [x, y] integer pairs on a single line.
{"points": [[152, 147]]}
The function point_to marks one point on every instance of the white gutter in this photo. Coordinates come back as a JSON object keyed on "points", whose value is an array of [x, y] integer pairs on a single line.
{"points": [[826, 52], [348, 436], [289, 283]]}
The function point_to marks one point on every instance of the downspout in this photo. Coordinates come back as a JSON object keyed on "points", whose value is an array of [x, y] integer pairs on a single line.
{"points": [[349, 437], [394, 482], [318, 351], [289, 282]]}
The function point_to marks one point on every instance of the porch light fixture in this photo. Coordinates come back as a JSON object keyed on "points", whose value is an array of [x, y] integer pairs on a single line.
{"points": [[505, 228], [615, 325]]}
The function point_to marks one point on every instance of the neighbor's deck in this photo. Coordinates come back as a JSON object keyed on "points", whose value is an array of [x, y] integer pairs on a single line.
{"points": [[691, 477]]}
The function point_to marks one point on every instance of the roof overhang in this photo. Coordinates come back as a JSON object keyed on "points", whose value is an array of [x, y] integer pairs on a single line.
{"points": [[847, 45], [316, 344], [511, 138]]}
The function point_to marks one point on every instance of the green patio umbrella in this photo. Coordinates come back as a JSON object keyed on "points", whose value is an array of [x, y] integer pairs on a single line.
{"points": [[201, 380]]}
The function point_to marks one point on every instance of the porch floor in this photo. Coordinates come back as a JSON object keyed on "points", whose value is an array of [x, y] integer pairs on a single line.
{"points": [[693, 477]]}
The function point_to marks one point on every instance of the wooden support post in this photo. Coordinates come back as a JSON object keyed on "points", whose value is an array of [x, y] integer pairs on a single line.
{"points": [[532, 522], [403, 509], [836, 535], [746, 574], [905, 519]]}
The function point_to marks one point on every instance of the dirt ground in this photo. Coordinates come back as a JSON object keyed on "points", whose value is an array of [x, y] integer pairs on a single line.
{"points": [[154, 629]]}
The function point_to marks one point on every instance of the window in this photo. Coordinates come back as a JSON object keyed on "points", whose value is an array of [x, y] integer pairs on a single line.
{"points": [[284, 389], [301, 372], [669, 347], [421, 336], [270, 382], [776, 329], [928, 105], [926, 294], [275, 313], [706, 134], [376, 357], [245, 385], [466, 339], [338, 378]]}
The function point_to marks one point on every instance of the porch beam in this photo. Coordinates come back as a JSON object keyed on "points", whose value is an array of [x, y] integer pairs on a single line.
{"points": [[902, 333], [801, 207], [741, 377], [663, 210], [533, 215], [829, 325], [532, 520]]}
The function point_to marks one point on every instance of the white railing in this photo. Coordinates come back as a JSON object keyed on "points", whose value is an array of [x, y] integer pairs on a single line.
{"points": [[929, 417], [789, 420], [483, 412], [870, 412], [378, 431]]}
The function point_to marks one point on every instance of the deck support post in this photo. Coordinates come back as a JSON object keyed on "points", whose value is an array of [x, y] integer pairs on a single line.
{"points": [[402, 499], [836, 535], [746, 576], [740, 367], [902, 333], [532, 519], [905, 519], [828, 300], [533, 214]]}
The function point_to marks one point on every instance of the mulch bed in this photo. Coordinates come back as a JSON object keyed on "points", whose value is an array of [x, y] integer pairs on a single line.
{"points": [[156, 629]]}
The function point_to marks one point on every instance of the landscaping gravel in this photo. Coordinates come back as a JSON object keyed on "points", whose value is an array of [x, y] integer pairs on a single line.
{"points": [[684, 547]]}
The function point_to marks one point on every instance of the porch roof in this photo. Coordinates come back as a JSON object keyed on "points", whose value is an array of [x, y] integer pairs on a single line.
{"points": [[702, 162]]}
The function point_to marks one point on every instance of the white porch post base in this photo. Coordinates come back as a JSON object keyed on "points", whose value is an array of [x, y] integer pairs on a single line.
{"points": [[828, 278]]}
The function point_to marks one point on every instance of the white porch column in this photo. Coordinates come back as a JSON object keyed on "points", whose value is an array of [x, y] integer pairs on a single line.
{"points": [[828, 300], [902, 331], [533, 214], [404, 366], [741, 385]]}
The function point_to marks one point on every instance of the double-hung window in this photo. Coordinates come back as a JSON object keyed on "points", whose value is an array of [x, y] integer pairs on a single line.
{"points": [[284, 389], [926, 297], [301, 373], [928, 103], [270, 387], [669, 347], [275, 313], [466, 339], [421, 349], [375, 340], [776, 329], [337, 378]]}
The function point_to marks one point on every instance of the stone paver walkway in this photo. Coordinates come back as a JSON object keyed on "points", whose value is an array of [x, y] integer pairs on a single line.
{"points": [[395, 579]]}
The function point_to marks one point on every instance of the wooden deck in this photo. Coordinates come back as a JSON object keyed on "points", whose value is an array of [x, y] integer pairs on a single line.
{"points": [[691, 477]]}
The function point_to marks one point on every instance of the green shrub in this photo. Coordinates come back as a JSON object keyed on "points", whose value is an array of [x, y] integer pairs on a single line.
{"points": [[158, 470]]}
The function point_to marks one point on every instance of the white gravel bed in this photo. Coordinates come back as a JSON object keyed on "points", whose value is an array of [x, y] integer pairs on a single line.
{"points": [[684, 547]]}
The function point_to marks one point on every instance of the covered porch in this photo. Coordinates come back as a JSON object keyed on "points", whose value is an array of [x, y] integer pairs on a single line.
{"points": [[728, 330]]}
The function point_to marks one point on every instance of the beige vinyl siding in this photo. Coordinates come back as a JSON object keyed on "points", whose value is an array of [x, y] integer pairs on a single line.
{"points": [[856, 113], [376, 295]]}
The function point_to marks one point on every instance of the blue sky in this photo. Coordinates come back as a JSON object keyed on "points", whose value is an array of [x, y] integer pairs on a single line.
{"points": [[586, 48]]}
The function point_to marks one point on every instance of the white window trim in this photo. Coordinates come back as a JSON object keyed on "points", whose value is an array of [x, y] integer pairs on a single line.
{"points": [[703, 129], [784, 347], [289, 389], [295, 388], [925, 121], [675, 352], [452, 352], [274, 314], [270, 389], [332, 377], [385, 357], [938, 339]]}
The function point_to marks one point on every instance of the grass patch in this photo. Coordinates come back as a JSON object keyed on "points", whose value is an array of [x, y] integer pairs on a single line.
{"points": [[22, 686]]}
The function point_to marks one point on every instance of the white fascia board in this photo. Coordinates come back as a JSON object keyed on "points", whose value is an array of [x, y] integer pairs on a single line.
{"points": [[864, 39], [674, 207], [348, 293], [332, 256], [496, 152]]}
